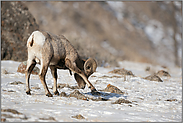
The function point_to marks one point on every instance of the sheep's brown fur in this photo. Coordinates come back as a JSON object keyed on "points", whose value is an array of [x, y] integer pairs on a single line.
{"points": [[56, 52]]}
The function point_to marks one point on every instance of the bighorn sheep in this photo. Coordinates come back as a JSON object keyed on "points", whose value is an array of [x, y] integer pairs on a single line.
{"points": [[56, 52]]}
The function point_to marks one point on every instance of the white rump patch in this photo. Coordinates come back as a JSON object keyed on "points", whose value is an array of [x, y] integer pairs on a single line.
{"points": [[38, 38]]}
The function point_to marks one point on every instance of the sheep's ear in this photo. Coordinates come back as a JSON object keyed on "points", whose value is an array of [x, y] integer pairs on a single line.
{"points": [[90, 66]]}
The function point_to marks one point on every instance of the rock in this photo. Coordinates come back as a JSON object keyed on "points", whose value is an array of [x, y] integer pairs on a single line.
{"points": [[3, 71], [3, 119], [10, 110], [119, 101], [17, 24], [171, 100], [147, 69], [13, 111], [49, 118], [60, 86], [11, 91], [163, 73], [109, 76], [37, 88], [153, 77], [122, 72], [16, 83], [22, 68], [78, 95], [79, 116], [7, 115], [113, 89], [63, 94]]}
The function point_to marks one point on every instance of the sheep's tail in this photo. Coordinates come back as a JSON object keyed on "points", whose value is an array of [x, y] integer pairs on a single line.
{"points": [[30, 41]]}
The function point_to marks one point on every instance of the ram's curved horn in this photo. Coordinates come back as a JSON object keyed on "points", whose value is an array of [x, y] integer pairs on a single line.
{"points": [[90, 66]]}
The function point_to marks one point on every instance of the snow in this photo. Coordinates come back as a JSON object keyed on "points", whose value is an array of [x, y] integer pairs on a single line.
{"points": [[148, 97]]}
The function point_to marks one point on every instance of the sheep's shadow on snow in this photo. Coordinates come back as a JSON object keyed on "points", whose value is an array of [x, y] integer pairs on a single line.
{"points": [[105, 95]]}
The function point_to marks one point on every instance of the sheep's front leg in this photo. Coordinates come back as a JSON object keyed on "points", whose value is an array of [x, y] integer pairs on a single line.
{"points": [[54, 74], [44, 68], [72, 66], [30, 67]]}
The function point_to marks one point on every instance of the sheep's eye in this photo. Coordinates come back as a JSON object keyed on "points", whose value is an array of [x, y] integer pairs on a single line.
{"points": [[88, 67]]}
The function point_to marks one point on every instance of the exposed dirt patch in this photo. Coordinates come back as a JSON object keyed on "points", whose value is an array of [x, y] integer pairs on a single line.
{"points": [[10, 110], [60, 86], [3, 71], [163, 73], [3, 119], [78, 95], [11, 91], [13, 111], [170, 100], [147, 69], [153, 77], [119, 101], [37, 88], [79, 116], [22, 68], [63, 94], [49, 118], [16, 83], [113, 89], [7, 115], [110, 76], [122, 72]]}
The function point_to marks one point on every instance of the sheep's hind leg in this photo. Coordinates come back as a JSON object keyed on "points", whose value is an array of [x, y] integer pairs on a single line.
{"points": [[30, 67], [42, 74], [54, 74]]}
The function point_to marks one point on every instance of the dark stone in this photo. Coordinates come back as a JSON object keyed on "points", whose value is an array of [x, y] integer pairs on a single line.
{"points": [[153, 77], [10, 110], [113, 89], [63, 94], [163, 73], [15, 30], [119, 101], [122, 72], [16, 83], [22, 68], [78, 95], [78, 116]]}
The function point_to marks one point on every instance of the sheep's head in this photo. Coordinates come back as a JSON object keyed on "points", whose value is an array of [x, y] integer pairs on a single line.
{"points": [[90, 66]]}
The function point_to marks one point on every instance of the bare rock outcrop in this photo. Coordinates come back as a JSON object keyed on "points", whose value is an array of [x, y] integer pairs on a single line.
{"points": [[17, 23]]}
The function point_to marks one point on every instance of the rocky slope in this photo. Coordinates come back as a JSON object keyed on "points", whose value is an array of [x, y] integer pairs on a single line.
{"points": [[115, 31], [17, 23], [112, 31]]}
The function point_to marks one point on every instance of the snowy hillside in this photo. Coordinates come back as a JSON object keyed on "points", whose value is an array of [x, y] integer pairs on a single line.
{"points": [[149, 101]]}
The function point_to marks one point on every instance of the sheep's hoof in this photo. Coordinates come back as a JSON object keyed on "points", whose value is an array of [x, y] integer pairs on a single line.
{"points": [[95, 92], [56, 93], [49, 95], [28, 93]]}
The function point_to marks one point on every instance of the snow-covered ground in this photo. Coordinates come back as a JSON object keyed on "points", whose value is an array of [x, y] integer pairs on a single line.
{"points": [[149, 98]]}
